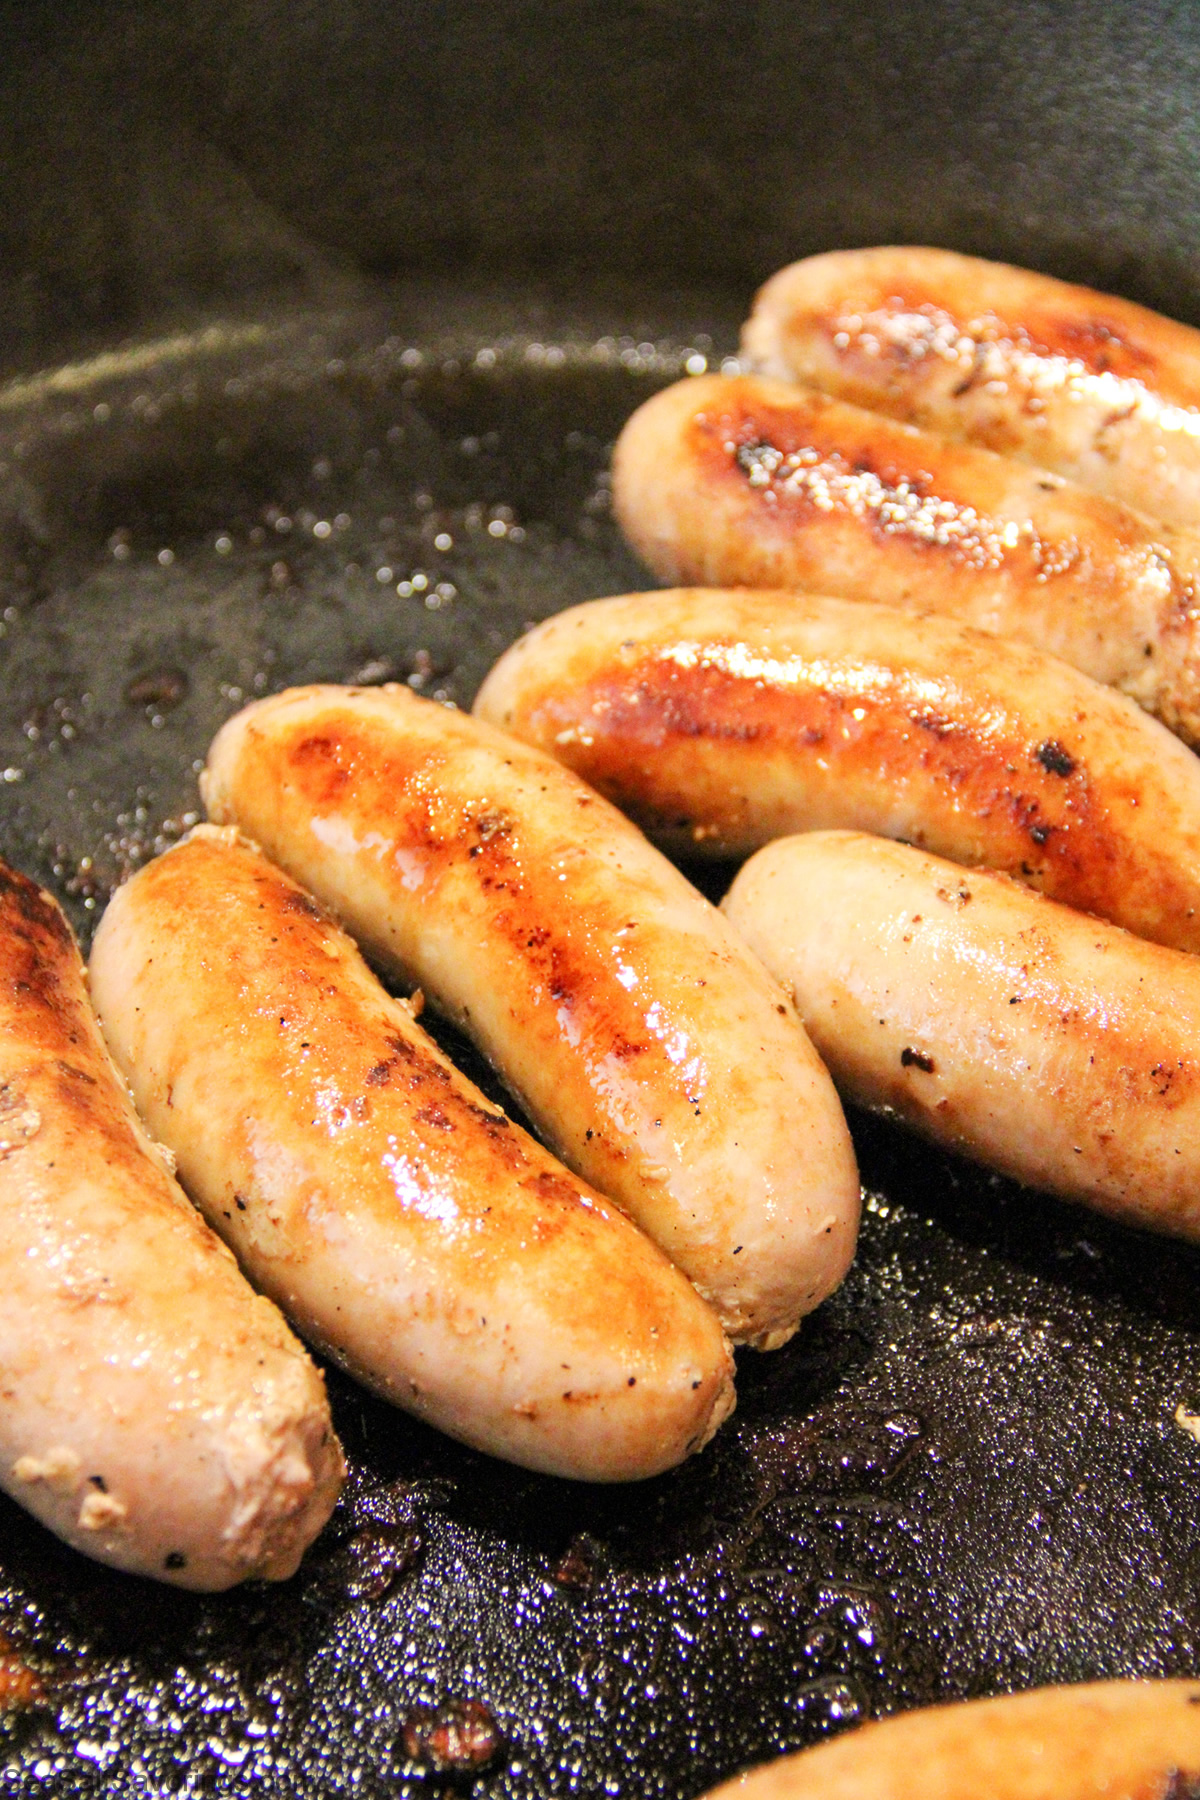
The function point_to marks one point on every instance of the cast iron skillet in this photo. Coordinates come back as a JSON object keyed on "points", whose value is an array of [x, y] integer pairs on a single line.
{"points": [[966, 1474]]}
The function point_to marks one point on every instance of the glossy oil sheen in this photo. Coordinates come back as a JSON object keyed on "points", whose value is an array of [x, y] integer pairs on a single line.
{"points": [[965, 1472]]}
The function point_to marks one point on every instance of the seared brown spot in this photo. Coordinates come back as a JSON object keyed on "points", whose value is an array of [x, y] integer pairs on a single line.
{"points": [[1097, 343], [938, 531], [978, 797], [566, 974], [322, 762], [917, 1059], [479, 842], [555, 1189], [492, 823], [811, 468], [813, 475], [295, 900], [74, 1073], [23, 903]]}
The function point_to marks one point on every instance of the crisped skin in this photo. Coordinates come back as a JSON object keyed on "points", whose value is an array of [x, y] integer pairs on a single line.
{"points": [[1095, 387], [720, 719], [157, 1414], [402, 1222], [738, 481], [1051, 1046], [1109, 1740], [648, 1045]]}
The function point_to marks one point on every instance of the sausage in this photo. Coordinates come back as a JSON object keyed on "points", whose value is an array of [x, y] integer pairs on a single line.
{"points": [[1054, 1047], [739, 481], [1108, 1740], [402, 1222], [643, 1039], [1101, 390], [157, 1414], [719, 720]]}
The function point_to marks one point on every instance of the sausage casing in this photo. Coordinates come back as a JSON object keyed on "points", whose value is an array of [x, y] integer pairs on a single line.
{"points": [[157, 1413], [719, 720], [739, 481], [1098, 388], [644, 1040], [401, 1221], [1106, 1740], [1054, 1047]]}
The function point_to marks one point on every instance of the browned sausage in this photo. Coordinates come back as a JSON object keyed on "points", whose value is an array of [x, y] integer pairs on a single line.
{"points": [[720, 719], [738, 481], [655, 1054], [1104, 391]]}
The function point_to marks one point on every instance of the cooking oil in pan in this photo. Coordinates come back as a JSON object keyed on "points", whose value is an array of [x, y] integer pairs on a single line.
{"points": [[172, 553], [963, 1475]]}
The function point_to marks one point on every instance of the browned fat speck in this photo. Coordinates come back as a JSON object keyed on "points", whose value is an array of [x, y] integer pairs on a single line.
{"points": [[1054, 758], [575, 1569], [459, 1737], [295, 900], [20, 1686], [370, 1563], [158, 687]]}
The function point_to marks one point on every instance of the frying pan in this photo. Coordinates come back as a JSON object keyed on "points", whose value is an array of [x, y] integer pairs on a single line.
{"points": [[319, 324]]}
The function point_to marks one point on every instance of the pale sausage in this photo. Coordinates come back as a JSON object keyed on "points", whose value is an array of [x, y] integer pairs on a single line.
{"points": [[1108, 1740], [1053, 1047], [156, 1413]]}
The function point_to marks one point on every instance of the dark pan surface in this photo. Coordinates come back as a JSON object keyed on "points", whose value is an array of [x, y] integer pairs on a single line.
{"points": [[964, 1476]]}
